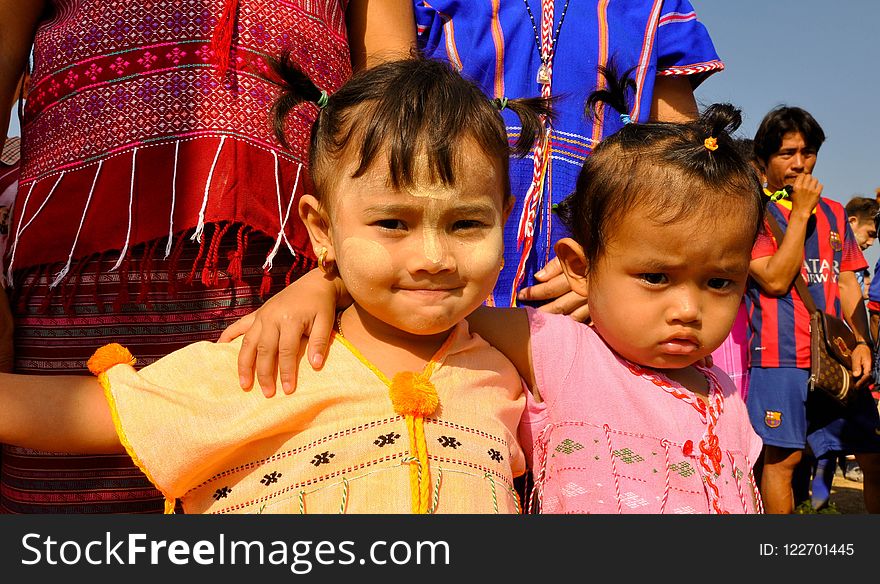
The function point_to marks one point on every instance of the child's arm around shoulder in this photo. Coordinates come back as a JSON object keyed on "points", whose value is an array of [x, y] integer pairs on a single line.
{"points": [[66, 413], [507, 329], [274, 332]]}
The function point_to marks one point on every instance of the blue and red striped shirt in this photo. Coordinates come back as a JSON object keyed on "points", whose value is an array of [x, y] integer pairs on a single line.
{"points": [[779, 326]]}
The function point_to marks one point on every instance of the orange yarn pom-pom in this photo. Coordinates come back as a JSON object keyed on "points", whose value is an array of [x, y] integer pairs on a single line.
{"points": [[413, 394], [108, 356]]}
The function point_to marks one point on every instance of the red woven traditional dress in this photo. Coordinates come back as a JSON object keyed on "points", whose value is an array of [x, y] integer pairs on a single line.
{"points": [[9, 172], [155, 206]]}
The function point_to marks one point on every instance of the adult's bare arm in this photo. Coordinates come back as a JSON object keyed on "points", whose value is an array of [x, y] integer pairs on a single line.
{"points": [[379, 30], [18, 24], [66, 413], [673, 100], [774, 274]]}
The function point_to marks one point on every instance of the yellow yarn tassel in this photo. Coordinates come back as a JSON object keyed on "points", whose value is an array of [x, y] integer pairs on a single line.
{"points": [[413, 394], [414, 397], [413, 464], [425, 478], [108, 356]]}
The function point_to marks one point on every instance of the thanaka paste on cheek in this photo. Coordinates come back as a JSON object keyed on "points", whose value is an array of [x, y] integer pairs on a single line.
{"points": [[484, 257], [362, 257], [486, 263]]}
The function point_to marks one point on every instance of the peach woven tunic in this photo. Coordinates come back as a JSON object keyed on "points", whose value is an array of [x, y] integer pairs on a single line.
{"points": [[336, 445]]}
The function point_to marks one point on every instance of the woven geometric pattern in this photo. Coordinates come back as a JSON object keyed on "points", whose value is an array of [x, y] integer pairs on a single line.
{"points": [[632, 500], [103, 82], [628, 456], [568, 446], [683, 468], [648, 445], [11, 151], [318, 452], [693, 69], [573, 489], [133, 114]]}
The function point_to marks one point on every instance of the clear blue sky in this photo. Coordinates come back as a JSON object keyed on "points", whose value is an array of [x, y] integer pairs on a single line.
{"points": [[820, 56]]}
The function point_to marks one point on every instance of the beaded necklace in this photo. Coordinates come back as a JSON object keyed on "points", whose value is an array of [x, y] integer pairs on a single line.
{"points": [[547, 49], [339, 324], [525, 233]]}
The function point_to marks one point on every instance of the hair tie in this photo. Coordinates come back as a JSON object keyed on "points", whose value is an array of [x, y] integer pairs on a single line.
{"points": [[323, 100], [625, 119], [500, 103], [711, 143]]}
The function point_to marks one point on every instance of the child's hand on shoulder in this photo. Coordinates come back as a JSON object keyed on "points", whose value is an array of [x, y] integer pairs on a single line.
{"points": [[273, 334]]}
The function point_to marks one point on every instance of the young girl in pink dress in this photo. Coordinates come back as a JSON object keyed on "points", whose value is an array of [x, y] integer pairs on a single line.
{"points": [[623, 418]]}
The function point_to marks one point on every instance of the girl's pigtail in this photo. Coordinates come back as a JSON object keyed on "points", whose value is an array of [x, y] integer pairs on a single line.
{"points": [[715, 151], [531, 111], [296, 88], [720, 121], [616, 93]]}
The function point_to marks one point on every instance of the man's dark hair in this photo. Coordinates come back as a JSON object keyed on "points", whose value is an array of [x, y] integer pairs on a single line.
{"points": [[782, 120]]}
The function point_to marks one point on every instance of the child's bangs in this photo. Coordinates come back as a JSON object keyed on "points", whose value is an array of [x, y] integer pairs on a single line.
{"points": [[426, 145]]}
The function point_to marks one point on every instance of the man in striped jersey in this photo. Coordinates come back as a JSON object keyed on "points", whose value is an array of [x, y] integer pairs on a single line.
{"points": [[820, 247]]}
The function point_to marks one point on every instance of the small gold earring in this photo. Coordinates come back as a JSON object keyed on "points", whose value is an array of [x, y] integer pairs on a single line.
{"points": [[502, 264], [322, 257]]}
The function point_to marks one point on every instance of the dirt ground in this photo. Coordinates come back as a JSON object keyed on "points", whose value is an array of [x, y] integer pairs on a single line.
{"points": [[846, 496]]}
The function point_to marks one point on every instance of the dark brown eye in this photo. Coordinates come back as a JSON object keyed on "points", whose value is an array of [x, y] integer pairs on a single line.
{"points": [[654, 278], [390, 224]]}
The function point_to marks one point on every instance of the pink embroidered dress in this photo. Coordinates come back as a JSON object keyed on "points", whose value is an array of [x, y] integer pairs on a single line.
{"points": [[611, 436], [732, 356]]}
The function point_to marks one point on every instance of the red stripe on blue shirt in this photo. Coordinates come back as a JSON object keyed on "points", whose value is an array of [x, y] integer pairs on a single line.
{"points": [[677, 17], [780, 326]]}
